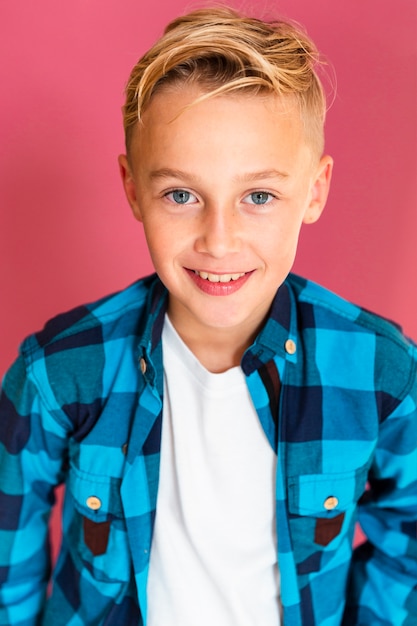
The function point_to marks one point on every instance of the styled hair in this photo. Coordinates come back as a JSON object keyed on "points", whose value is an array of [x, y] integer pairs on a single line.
{"points": [[222, 52]]}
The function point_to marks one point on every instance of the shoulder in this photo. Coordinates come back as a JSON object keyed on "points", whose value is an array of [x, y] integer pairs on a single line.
{"points": [[358, 335], [91, 324], [331, 309], [80, 356]]}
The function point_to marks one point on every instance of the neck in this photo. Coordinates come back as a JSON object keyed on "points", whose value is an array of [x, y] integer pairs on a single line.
{"points": [[217, 349]]}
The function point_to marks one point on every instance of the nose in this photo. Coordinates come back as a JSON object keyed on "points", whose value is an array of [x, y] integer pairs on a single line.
{"points": [[219, 231]]}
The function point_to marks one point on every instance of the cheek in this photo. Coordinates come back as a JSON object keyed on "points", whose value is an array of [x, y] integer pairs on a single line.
{"points": [[164, 243], [164, 230], [281, 238], [153, 236]]}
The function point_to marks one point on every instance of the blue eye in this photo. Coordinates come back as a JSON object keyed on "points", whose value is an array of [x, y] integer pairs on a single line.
{"points": [[181, 196], [259, 197]]}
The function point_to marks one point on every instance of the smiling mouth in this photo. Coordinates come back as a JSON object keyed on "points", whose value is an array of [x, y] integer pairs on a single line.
{"points": [[219, 278]]}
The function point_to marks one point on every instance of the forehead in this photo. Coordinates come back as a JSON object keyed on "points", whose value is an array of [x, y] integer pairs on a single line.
{"points": [[178, 110], [220, 139]]}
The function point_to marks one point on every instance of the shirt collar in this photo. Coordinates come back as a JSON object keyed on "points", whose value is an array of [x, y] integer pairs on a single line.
{"points": [[278, 336]]}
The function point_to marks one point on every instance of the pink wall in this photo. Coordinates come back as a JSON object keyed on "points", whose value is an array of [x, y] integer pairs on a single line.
{"points": [[66, 233]]}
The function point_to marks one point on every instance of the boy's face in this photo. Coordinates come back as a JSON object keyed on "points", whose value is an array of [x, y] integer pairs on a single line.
{"points": [[222, 190]]}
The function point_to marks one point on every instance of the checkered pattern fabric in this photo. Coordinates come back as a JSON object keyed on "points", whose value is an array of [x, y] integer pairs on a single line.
{"points": [[335, 389]]}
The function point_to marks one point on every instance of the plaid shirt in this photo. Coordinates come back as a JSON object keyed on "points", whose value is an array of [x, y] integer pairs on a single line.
{"points": [[335, 390]]}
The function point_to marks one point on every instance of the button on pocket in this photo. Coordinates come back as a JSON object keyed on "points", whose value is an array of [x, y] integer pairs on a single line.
{"points": [[331, 503], [93, 503]]}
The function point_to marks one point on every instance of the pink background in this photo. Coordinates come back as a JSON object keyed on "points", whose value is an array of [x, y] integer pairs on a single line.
{"points": [[66, 233]]}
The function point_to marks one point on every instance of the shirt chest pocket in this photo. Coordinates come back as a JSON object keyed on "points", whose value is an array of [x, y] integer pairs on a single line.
{"points": [[96, 527], [322, 516]]}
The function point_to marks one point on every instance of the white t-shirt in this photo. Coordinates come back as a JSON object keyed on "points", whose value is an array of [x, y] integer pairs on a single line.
{"points": [[213, 559]]}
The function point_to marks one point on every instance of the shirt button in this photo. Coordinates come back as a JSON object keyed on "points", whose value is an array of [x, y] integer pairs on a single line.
{"points": [[142, 364], [331, 503], [124, 448], [290, 346], [93, 503]]}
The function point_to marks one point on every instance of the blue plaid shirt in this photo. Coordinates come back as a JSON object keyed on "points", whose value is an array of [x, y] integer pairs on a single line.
{"points": [[335, 391]]}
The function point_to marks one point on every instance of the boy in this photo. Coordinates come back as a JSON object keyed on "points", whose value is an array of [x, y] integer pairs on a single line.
{"points": [[221, 425]]}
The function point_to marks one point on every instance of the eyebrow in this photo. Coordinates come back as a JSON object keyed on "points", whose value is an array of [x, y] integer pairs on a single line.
{"points": [[167, 172], [262, 175]]}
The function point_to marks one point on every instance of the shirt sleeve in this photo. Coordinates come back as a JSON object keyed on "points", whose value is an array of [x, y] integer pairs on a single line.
{"points": [[383, 578], [32, 452]]}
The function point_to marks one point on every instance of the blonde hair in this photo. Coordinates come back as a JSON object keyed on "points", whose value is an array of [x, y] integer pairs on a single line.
{"points": [[223, 51]]}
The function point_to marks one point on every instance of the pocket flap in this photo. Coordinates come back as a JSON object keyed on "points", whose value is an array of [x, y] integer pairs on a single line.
{"points": [[96, 497], [325, 495]]}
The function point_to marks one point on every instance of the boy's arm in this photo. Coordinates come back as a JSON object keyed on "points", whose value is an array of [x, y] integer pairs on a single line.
{"points": [[32, 447], [383, 580]]}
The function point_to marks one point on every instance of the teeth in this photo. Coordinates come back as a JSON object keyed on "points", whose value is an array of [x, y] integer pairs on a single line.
{"points": [[219, 278]]}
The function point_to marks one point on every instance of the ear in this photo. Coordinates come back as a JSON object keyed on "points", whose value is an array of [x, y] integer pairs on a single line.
{"points": [[319, 190], [129, 185]]}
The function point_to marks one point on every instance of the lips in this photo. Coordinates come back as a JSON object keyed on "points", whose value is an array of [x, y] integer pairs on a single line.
{"points": [[218, 284]]}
